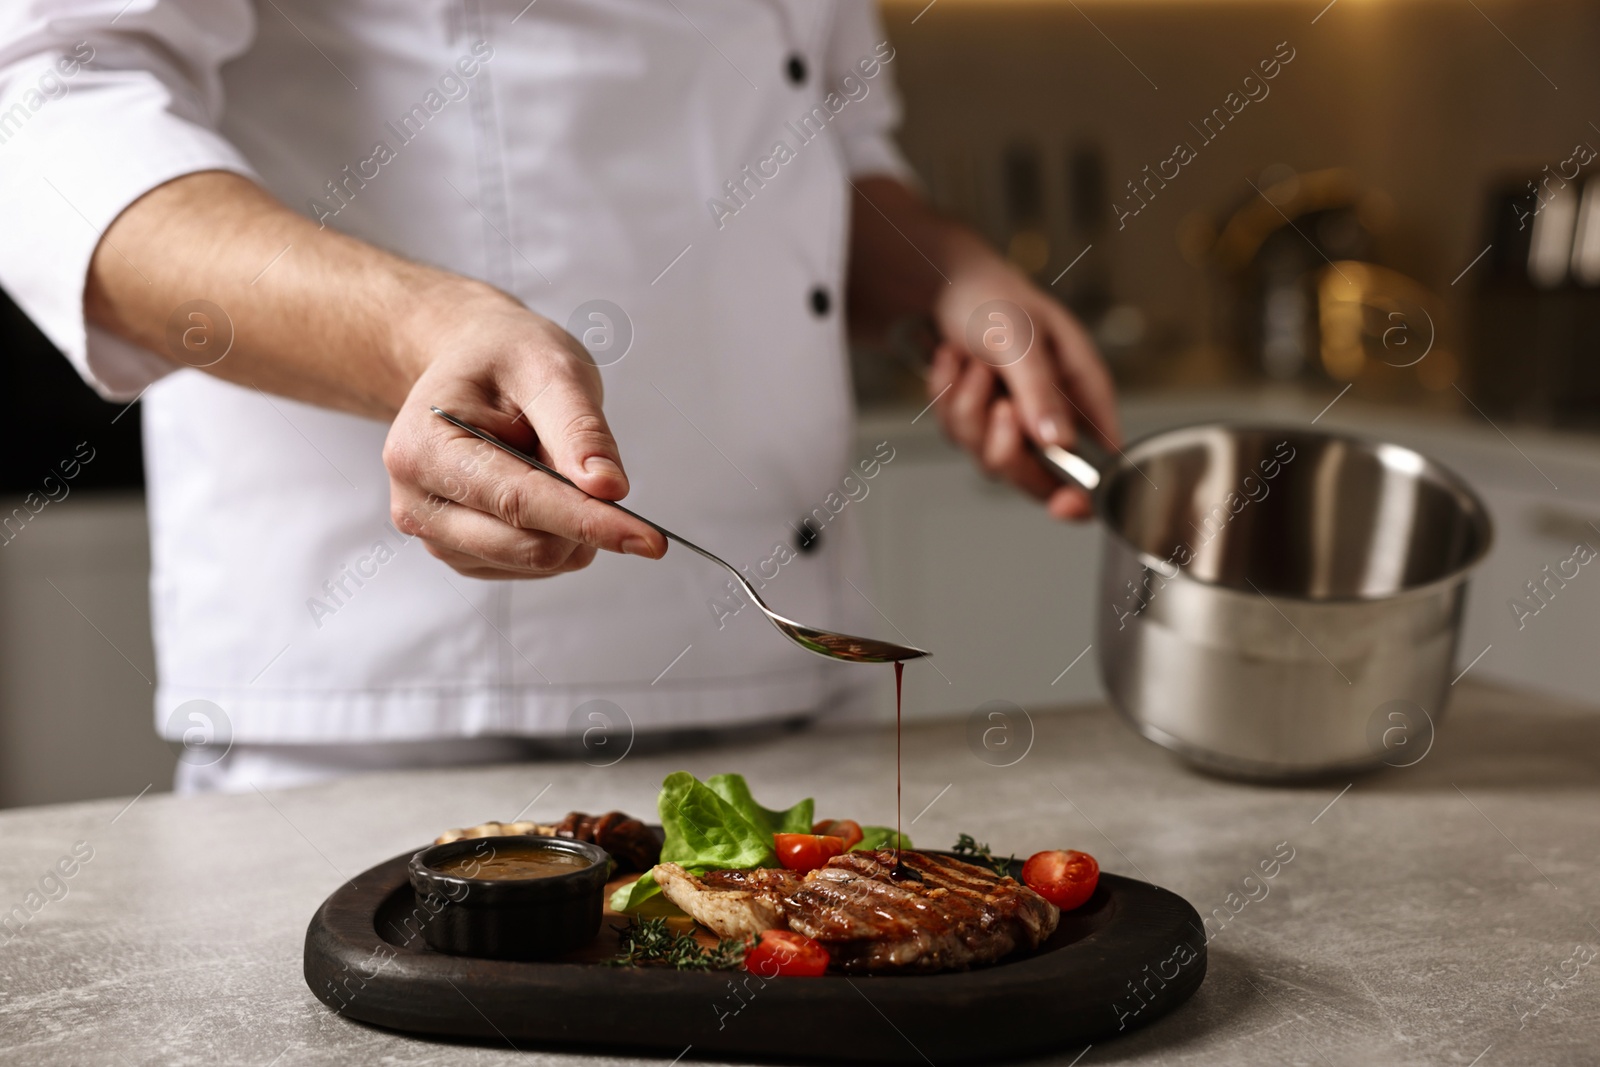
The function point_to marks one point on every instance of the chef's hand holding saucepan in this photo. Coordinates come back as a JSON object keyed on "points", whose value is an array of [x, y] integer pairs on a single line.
{"points": [[999, 329], [339, 323], [1055, 392]]}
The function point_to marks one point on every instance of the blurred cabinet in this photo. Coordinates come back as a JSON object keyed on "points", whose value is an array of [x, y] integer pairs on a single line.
{"points": [[75, 715], [76, 663], [1534, 606]]}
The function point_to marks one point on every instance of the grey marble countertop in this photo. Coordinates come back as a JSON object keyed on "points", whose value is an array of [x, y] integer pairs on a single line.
{"points": [[1444, 913]]}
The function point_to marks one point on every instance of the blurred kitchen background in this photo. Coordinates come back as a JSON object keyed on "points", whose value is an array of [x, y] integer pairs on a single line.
{"points": [[1402, 223]]}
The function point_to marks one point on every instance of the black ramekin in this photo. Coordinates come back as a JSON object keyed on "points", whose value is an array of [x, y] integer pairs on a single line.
{"points": [[510, 919]]}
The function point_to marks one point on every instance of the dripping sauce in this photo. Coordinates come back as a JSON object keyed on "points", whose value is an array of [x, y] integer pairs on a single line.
{"points": [[899, 676]]}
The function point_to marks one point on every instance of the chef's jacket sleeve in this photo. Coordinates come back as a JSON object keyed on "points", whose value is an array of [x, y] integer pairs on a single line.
{"points": [[860, 67], [100, 102]]}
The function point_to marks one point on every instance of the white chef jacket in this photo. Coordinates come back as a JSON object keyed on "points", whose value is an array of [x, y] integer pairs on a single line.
{"points": [[565, 151]]}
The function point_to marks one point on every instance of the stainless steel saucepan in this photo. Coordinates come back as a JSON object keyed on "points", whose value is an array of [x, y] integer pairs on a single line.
{"points": [[1267, 592]]}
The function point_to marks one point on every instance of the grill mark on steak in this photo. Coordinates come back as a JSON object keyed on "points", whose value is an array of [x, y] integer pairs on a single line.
{"points": [[956, 916]]}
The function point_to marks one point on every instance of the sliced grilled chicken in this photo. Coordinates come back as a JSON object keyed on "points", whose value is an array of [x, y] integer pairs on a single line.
{"points": [[729, 903]]}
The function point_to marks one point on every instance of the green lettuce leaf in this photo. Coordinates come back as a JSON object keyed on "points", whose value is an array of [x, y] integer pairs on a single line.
{"points": [[879, 837], [643, 898], [733, 789], [704, 831], [712, 825]]}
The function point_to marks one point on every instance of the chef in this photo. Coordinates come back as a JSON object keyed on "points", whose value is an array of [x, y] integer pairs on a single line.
{"points": [[625, 234]]}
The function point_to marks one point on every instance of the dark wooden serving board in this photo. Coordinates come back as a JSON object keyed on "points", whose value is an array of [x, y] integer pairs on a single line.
{"points": [[1130, 955]]}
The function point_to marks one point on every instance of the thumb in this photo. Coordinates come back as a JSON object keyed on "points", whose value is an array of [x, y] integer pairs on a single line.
{"points": [[1018, 345], [1034, 386], [574, 434]]}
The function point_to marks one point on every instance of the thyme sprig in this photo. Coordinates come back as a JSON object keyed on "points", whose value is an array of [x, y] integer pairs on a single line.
{"points": [[967, 845], [652, 942]]}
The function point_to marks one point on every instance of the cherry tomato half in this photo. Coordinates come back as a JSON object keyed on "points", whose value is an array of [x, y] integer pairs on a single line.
{"points": [[848, 829], [806, 852], [1064, 878], [784, 952]]}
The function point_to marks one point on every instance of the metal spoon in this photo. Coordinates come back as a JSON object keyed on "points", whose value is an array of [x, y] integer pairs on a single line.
{"points": [[822, 642]]}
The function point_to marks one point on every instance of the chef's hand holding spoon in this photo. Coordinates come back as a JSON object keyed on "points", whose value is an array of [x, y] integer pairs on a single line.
{"points": [[530, 383], [345, 325]]}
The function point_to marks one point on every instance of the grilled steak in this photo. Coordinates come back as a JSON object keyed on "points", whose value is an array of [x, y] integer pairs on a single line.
{"points": [[932, 913], [946, 915]]}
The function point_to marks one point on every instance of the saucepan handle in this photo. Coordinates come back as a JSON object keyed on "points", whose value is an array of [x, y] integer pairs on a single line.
{"points": [[1068, 466]]}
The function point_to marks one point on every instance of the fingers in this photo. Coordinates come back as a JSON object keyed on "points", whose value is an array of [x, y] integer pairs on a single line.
{"points": [[943, 372], [1086, 378], [472, 473], [1006, 454], [481, 546], [1061, 383], [994, 402], [474, 567], [523, 379], [1033, 381], [554, 407], [990, 426], [572, 431], [570, 427], [489, 515], [964, 412], [1070, 503]]}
